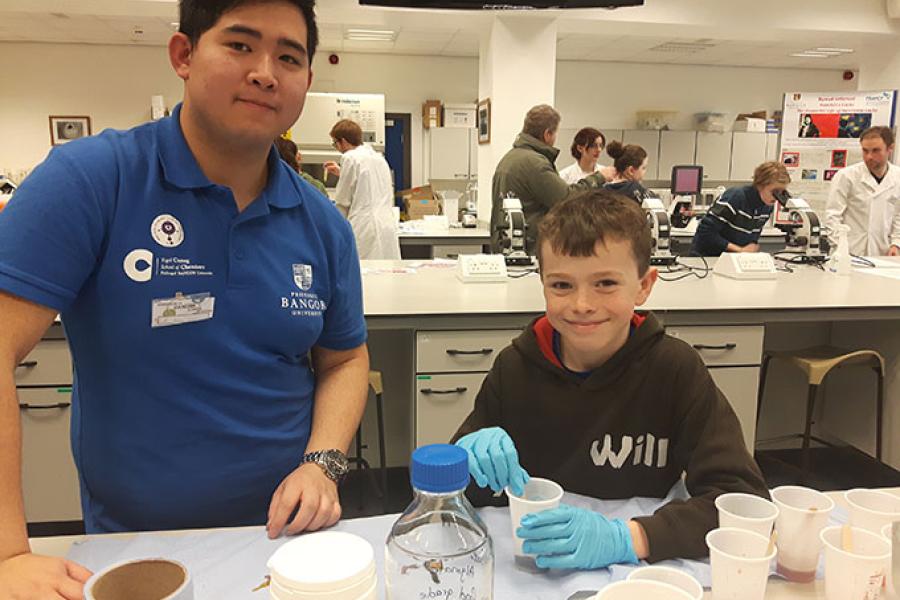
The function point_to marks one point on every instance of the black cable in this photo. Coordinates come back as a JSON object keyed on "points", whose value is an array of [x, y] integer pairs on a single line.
{"points": [[862, 261], [521, 274], [684, 271]]}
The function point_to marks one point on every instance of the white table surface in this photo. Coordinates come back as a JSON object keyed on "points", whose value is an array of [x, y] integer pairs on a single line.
{"points": [[777, 589], [450, 234], [414, 288]]}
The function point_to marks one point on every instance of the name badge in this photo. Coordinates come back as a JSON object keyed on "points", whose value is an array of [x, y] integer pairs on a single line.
{"points": [[182, 309]]}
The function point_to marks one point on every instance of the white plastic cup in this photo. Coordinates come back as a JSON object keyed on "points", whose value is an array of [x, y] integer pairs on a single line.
{"points": [[676, 577], [802, 515], [150, 579], [740, 563], [643, 589], [746, 511], [540, 494], [858, 572], [327, 565], [871, 509]]}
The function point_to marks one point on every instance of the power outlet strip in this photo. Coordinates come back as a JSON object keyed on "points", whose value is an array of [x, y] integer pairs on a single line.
{"points": [[483, 268]]}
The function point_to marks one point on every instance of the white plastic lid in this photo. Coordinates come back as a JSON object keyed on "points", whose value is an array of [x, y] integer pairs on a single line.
{"points": [[323, 561]]}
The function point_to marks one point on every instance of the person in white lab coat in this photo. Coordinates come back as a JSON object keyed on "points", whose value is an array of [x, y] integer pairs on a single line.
{"points": [[866, 197], [587, 146], [365, 193]]}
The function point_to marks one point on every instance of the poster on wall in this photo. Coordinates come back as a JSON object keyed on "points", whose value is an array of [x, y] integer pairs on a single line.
{"points": [[820, 136]]}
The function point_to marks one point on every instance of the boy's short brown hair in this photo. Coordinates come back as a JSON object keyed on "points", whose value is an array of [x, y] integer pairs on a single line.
{"points": [[347, 130], [574, 226]]}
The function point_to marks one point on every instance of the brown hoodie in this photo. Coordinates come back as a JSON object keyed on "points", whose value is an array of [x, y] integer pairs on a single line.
{"points": [[631, 428]]}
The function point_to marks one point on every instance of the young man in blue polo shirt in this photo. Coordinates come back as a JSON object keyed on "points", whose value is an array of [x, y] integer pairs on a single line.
{"points": [[211, 299]]}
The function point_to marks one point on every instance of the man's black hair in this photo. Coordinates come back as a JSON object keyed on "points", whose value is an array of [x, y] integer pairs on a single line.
{"points": [[199, 16]]}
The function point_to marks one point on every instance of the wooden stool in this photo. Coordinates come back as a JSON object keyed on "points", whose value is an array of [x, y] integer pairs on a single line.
{"points": [[377, 386], [816, 363]]}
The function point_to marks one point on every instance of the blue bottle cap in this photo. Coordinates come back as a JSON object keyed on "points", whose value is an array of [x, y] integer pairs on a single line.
{"points": [[440, 468]]}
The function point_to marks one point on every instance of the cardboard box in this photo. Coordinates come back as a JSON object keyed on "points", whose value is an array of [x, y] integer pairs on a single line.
{"points": [[420, 201], [459, 115], [751, 124], [432, 114]]}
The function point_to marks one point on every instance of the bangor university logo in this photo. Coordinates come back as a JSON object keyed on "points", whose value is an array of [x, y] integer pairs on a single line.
{"points": [[303, 276]]}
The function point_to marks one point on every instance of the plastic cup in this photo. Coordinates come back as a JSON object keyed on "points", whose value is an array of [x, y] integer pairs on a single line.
{"points": [[671, 576], [540, 494], [802, 515], [746, 511], [643, 589], [871, 509], [856, 572], [740, 563]]}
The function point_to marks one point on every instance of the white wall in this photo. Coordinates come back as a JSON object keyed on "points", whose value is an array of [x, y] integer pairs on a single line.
{"points": [[608, 94], [113, 85]]}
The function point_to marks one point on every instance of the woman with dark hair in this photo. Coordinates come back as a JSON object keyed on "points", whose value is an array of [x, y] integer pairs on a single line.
{"points": [[631, 166], [291, 155], [586, 149]]}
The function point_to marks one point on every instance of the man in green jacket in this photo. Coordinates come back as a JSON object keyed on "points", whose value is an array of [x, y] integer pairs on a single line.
{"points": [[528, 172]]}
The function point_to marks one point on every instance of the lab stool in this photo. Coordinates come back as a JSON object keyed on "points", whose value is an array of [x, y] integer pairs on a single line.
{"points": [[816, 363], [375, 383]]}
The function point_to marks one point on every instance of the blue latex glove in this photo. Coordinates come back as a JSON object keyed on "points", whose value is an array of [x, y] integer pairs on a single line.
{"points": [[493, 460], [574, 538]]}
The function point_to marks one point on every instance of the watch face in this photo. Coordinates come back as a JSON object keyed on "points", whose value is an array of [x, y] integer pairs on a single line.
{"points": [[336, 463]]}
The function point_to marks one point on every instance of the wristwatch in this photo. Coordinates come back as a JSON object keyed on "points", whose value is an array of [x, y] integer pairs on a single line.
{"points": [[333, 462]]}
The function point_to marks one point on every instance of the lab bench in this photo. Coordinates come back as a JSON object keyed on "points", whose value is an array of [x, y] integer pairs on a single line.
{"points": [[446, 243], [434, 339]]}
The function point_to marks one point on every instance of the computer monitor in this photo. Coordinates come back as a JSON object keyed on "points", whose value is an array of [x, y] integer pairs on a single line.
{"points": [[687, 180]]}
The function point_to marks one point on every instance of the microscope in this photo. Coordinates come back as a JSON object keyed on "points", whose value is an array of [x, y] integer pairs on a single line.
{"points": [[512, 233], [660, 231], [804, 233]]}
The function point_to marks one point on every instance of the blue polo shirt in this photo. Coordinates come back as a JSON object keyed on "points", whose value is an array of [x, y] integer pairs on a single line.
{"points": [[190, 323]]}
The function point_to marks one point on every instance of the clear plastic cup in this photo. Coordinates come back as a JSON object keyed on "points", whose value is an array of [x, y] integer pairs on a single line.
{"points": [[746, 511], [802, 515], [644, 590], [540, 494], [676, 577], [740, 563], [872, 509], [858, 571]]}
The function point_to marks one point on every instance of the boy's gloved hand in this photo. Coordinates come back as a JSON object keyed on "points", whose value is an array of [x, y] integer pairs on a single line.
{"points": [[574, 538], [493, 460]]}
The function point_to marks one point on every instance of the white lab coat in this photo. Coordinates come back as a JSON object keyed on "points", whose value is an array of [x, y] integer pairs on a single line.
{"points": [[872, 210], [574, 174], [365, 191]]}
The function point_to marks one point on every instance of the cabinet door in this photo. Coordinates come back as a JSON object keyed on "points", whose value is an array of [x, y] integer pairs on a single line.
{"points": [[714, 153], [649, 141], [49, 479], [449, 153], [739, 384], [771, 146], [48, 364], [675, 148], [442, 403], [748, 150]]}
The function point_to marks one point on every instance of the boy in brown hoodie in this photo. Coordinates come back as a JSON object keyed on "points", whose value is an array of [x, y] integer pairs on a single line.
{"points": [[596, 397]]}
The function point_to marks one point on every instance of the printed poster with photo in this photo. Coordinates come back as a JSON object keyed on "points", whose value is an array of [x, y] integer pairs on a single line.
{"points": [[820, 136]]}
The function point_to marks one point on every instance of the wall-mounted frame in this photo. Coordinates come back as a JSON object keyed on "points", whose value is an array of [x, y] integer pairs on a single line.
{"points": [[64, 129], [483, 119]]}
